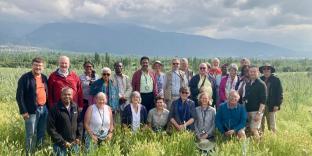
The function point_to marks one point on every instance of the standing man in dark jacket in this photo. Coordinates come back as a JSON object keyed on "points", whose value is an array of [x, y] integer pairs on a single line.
{"points": [[274, 96], [31, 97], [255, 100], [64, 126]]}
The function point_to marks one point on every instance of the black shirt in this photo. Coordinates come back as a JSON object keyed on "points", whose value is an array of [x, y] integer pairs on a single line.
{"points": [[255, 94]]}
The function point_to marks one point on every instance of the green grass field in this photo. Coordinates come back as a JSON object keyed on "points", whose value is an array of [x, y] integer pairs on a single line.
{"points": [[294, 137]]}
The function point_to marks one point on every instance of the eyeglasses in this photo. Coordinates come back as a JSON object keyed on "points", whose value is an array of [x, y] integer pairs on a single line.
{"points": [[175, 63], [266, 68], [184, 92], [105, 74], [202, 68]]}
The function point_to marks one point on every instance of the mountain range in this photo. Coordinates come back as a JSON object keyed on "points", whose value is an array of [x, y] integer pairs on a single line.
{"points": [[128, 39]]}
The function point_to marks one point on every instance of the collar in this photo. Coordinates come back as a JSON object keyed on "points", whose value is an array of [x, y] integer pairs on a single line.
{"points": [[229, 107], [59, 72]]}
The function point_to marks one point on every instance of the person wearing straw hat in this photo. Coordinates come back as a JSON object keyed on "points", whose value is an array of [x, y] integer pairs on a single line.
{"points": [[274, 96], [159, 76]]}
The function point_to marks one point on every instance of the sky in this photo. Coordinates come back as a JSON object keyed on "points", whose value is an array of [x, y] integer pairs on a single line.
{"points": [[286, 23]]}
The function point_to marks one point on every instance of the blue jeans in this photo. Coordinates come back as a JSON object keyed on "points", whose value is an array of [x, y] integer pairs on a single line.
{"points": [[36, 126], [62, 151]]}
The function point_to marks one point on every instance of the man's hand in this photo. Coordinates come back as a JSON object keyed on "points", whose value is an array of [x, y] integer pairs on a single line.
{"points": [[258, 117], [109, 136], [67, 144], [25, 116], [77, 141], [275, 108], [229, 133], [94, 138]]}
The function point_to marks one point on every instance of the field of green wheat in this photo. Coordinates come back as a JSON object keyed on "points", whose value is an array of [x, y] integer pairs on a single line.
{"points": [[294, 137]]}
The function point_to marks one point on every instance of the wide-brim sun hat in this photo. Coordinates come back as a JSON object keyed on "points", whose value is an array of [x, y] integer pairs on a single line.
{"points": [[267, 65]]}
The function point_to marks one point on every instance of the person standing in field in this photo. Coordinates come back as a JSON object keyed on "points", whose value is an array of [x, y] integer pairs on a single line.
{"points": [[231, 117], [31, 97], [64, 125], [107, 86], [202, 82], [123, 84], [243, 79], [215, 69], [255, 100], [61, 78], [174, 80], [185, 68], [160, 77], [144, 82], [228, 83], [87, 78], [274, 94]]}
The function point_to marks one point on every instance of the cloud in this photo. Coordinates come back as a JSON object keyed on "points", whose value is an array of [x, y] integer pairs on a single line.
{"points": [[243, 19]]}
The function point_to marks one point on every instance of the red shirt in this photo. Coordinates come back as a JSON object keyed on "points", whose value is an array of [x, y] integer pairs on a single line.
{"points": [[215, 71], [55, 84]]}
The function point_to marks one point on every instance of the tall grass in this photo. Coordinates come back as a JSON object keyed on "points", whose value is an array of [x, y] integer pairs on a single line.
{"points": [[294, 137]]}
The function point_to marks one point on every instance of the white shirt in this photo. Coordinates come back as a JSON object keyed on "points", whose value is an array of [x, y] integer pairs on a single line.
{"points": [[136, 118]]}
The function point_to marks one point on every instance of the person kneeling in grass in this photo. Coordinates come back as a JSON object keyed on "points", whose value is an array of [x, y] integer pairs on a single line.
{"points": [[98, 122], [231, 117]]}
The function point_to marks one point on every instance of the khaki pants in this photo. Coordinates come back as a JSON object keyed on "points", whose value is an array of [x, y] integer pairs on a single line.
{"points": [[270, 117]]}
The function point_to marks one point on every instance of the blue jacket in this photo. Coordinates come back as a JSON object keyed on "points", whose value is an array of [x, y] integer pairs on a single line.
{"points": [[26, 96], [113, 92], [126, 116], [228, 119], [189, 112]]}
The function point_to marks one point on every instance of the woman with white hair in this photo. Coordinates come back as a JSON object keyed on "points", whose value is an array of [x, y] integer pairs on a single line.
{"points": [[228, 83], [106, 85], [98, 122], [134, 114]]}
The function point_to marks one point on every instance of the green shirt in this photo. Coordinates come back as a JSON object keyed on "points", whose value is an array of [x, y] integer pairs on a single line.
{"points": [[146, 83]]}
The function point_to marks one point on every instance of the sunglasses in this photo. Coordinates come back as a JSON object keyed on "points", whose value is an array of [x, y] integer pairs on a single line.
{"points": [[105, 74], [184, 92], [175, 63], [202, 68]]}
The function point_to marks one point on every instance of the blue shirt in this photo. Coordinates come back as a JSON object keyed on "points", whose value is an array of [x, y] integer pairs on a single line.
{"points": [[230, 118]]}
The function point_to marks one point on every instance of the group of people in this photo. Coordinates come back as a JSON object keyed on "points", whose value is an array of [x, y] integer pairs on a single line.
{"points": [[85, 109]]}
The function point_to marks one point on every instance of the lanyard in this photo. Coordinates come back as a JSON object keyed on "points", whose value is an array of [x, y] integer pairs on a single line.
{"points": [[204, 113], [102, 117]]}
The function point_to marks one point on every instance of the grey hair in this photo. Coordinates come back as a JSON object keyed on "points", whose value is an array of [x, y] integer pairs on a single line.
{"points": [[106, 69], [63, 57], [184, 59], [233, 66], [135, 93], [100, 94]]}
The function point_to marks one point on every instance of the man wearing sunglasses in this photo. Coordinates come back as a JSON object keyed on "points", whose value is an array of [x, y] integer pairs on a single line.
{"points": [[174, 80], [274, 96]]}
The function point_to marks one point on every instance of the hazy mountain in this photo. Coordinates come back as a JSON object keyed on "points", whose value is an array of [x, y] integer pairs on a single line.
{"points": [[131, 39]]}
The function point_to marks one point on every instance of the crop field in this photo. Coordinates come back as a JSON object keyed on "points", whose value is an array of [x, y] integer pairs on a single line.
{"points": [[294, 137]]}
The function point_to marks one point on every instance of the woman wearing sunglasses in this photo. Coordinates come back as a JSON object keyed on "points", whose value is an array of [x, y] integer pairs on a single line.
{"points": [[106, 85]]}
